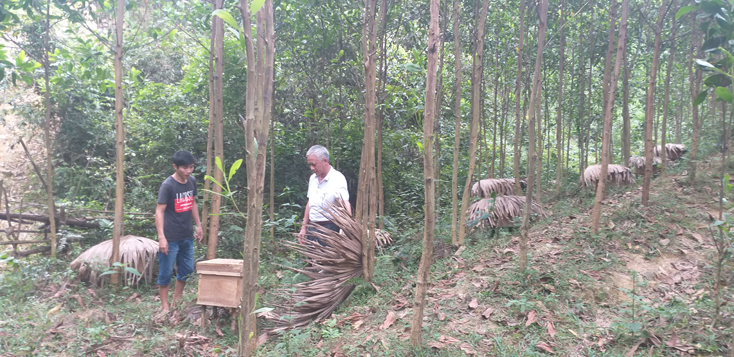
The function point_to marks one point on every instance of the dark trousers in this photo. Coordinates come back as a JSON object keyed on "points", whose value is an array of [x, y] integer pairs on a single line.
{"points": [[320, 227]]}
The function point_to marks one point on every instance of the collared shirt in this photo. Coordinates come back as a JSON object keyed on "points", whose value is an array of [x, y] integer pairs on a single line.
{"points": [[334, 185]]}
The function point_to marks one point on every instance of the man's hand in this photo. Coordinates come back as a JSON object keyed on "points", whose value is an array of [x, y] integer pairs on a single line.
{"points": [[163, 245], [302, 235], [199, 233]]}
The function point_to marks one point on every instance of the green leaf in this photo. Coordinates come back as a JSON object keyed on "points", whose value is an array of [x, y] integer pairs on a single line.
{"points": [[724, 94], [109, 272], [256, 148], [234, 168], [227, 17], [132, 271], [701, 98], [703, 63], [420, 145], [251, 334], [207, 177], [263, 309], [256, 5], [218, 161], [717, 223], [635, 326], [684, 10]]}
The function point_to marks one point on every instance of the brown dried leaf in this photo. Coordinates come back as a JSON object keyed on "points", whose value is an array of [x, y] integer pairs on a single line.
{"points": [[389, 320], [545, 347], [532, 317], [550, 288], [262, 339], [473, 304], [218, 330], [478, 268], [551, 328], [436, 344], [467, 349], [441, 316], [673, 340], [357, 324], [80, 301], [279, 274], [632, 350], [448, 340], [698, 237], [132, 297], [488, 312]]}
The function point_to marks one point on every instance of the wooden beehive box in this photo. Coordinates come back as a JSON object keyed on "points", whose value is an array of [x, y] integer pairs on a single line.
{"points": [[220, 282]]}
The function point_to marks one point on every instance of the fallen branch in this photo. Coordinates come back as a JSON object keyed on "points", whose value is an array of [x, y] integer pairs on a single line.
{"points": [[25, 253], [25, 241], [73, 222]]}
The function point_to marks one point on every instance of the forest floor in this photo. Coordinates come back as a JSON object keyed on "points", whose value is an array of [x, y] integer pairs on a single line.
{"points": [[643, 287]]}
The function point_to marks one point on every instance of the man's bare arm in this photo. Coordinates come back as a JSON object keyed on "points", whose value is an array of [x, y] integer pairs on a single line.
{"points": [[159, 223]]}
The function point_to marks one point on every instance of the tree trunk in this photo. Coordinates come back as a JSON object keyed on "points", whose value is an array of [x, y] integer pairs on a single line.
{"points": [[492, 172], [559, 105], [519, 117], [587, 127], [258, 113], [47, 135], [664, 125], [650, 107], [367, 190], [626, 141], [210, 131], [540, 142], [505, 109], [582, 102], [607, 74], [119, 143], [457, 124], [218, 29], [609, 108], [532, 155], [380, 115], [476, 105], [430, 217], [437, 114]]}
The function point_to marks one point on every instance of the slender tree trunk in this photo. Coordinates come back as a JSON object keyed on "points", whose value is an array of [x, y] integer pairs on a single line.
{"points": [[258, 113], [626, 142], [587, 127], [437, 114], [532, 155], [540, 140], [366, 192], [457, 124], [117, 231], [476, 105], [519, 117], [271, 184], [505, 109], [380, 115], [492, 172], [664, 126], [582, 102], [607, 73], [609, 108], [47, 138], [218, 29], [210, 131], [559, 111], [650, 107], [430, 218], [569, 122]]}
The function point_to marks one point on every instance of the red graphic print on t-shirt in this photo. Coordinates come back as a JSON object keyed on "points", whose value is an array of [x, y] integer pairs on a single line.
{"points": [[184, 201]]}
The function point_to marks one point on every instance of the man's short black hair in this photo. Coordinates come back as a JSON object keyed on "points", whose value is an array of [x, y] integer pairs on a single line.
{"points": [[183, 158]]}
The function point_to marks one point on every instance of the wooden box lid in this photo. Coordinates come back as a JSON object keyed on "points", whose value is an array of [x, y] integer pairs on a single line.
{"points": [[224, 267]]}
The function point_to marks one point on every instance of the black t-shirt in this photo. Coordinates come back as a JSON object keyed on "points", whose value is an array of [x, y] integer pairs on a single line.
{"points": [[179, 200]]}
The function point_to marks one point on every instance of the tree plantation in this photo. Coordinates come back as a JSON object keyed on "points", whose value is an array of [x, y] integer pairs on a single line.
{"points": [[366, 178]]}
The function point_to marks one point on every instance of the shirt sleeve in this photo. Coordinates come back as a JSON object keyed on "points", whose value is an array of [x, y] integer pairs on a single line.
{"points": [[164, 194], [343, 191], [196, 192]]}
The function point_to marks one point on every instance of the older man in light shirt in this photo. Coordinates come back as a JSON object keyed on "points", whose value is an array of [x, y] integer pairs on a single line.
{"points": [[325, 185]]}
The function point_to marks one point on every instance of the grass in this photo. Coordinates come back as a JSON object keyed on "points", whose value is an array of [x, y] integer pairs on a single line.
{"points": [[644, 277]]}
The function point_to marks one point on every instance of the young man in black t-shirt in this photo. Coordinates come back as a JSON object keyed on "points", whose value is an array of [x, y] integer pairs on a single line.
{"points": [[176, 207]]}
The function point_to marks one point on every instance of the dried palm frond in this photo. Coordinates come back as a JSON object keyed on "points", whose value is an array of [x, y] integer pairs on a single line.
{"points": [[332, 266], [138, 253], [638, 164], [616, 174], [672, 151], [501, 211], [485, 187], [383, 238]]}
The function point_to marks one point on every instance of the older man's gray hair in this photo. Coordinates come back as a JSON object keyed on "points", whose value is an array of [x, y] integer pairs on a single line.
{"points": [[320, 152]]}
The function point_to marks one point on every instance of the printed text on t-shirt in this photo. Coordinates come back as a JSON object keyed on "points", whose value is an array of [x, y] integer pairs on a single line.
{"points": [[184, 201]]}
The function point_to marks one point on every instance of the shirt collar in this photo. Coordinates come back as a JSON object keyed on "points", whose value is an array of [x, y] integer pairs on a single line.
{"points": [[328, 175]]}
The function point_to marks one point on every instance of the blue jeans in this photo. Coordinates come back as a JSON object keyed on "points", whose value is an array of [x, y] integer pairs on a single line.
{"points": [[322, 228], [179, 252]]}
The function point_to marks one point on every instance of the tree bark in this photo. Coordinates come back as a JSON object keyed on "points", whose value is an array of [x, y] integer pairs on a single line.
{"points": [[437, 114], [559, 111], [457, 124], [607, 71], [47, 132], [626, 141], [380, 115], [650, 107], [664, 124], [117, 230], [608, 109], [218, 28], [532, 155], [476, 105], [366, 192], [582, 102], [258, 113], [210, 131], [428, 175], [519, 117]]}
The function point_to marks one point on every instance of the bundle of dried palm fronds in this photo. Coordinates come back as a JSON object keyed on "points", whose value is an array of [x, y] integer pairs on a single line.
{"points": [[500, 211], [616, 174], [332, 266], [638, 164], [383, 238], [672, 151], [485, 187], [138, 253]]}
